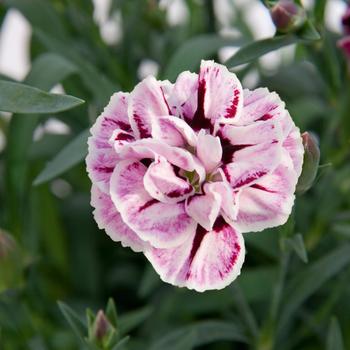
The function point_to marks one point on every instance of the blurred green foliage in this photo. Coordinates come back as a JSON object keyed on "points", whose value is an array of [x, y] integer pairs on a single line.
{"points": [[293, 292]]}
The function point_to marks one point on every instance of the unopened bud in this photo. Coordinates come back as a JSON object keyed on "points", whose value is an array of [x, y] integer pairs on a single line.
{"points": [[311, 162], [287, 16], [344, 45], [101, 326], [346, 21]]}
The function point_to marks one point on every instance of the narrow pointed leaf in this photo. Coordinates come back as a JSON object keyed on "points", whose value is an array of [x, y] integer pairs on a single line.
{"points": [[206, 332], [131, 320], [297, 244], [311, 279], [334, 337], [69, 156], [111, 312], [121, 343], [20, 98], [74, 320], [259, 48]]}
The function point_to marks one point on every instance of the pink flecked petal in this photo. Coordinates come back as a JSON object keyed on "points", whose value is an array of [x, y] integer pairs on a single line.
{"points": [[121, 137], [173, 131], [163, 225], [146, 103], [209, 150], [220, 96], [294, 145], [205, 261], [229, 199], [100, 164], [183, 100], [108, 218], [253, 134], [150, 148], [249, 164], [204, 208], [268, 202], [260, 104], [102, 158], [163, 184]]}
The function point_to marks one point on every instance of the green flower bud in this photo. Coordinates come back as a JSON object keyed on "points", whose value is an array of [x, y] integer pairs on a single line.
{"points": [[287, 16], [311, 162], [101, 325]]}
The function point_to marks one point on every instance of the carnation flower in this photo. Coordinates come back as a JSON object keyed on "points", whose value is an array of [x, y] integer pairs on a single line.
{"points": [[180, 171]]}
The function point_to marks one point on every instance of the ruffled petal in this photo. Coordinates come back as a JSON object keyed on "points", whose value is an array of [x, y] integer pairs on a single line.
{"points": [[163, 184], [149, 148], [146, 102], [204, 208], [173, 131], [206, 260], [294, 145], [269, 202], [220, 96], [209, 150], [163, 225], [102, 158], [183, 100], [108, 218], [249, 164], [228, 198], [260, 104]]}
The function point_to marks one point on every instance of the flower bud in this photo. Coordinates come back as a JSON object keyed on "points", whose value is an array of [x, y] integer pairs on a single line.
{"points": [[311, 162], [101, 326], [287, 16], [344, 45], [346, 21]]}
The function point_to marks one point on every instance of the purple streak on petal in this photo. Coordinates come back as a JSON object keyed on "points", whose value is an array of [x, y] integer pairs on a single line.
{"points": [[148, 204], [178, 193], [141, 127], [124, 137], [199, 120], [228, 150], [250, 178], [198, 238], [232, 109], [266, 116], [104, 169], [166, 102], [262, 188]]}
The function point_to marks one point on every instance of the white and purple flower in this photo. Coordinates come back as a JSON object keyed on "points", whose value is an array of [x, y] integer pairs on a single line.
{"points": [[180, 171]]}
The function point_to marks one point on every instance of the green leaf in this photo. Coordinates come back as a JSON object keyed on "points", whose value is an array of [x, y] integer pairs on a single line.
{"points": [[189, 55], [297, 244], [205, 332], [334, 337], [311, 279], [131, 320], [74, 320], [259, 48], [121, 343], [69, 156], [308, 32], [111, 312], [20, 98], [46, 70]]}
